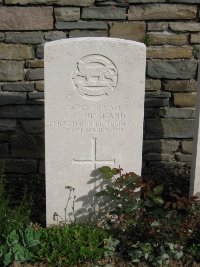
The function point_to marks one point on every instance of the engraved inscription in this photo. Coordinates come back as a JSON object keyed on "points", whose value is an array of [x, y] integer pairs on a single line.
{"points": [[95, 119], [93, 161], [95, 76]]}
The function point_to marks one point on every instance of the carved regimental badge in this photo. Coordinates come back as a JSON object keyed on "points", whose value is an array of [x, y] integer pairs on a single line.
{"points": [[95, 76]]}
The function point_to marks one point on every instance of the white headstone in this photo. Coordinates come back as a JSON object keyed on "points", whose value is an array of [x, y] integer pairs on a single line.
{"points": [[94, 107], [195, 174]]}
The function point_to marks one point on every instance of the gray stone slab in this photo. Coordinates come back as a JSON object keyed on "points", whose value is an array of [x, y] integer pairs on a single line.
{"points": [[22, 112], [24, 37], [26, 146], [181, 113], [8, 125], [169, 128], [18, 87], [112, 13], [15, 98], [32, 126], [94, 115], [160, 146], [11, 70], [172, 69], [82, 25], [54, 35], [35, 74]]}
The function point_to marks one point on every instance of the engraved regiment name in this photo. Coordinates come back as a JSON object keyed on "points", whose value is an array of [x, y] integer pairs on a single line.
{"points": [[94, 119], [95, 76]]}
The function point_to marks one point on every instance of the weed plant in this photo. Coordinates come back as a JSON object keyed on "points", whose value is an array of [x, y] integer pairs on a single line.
{"points": [[149, 226], [12, 218]]}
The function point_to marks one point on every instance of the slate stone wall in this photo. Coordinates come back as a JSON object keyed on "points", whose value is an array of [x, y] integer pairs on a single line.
{"points": [[170, 29]]}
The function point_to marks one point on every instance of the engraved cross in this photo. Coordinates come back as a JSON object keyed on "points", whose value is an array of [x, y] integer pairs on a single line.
{"points": [[93, 161]]}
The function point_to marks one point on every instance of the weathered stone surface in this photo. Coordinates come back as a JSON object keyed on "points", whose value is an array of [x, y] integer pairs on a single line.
{"points": [[15, 52], [35, 63], [169, 128], [157, 26], [18, 87], [126, 56], [42, 167], [67, 13], [8, 125], [3, 150], [49, 2], [172, 69], [77, 33], [26, 18], [32, 126], [185, 1], [168, 39], [196, 51], [20, 166], [154, 156], [15, 98], [183, 157], [27, 146], [156, 102], [150, 113], [35, 74], [181, 113], [2, 36], [54, 35], [169, 52], [35, 101], [180, 86], [195, 38], [161, 11], [111, 2], [4, 137], [40, 51], [187, 146], [103, 13], [22, 112], [146, 1], [11, 70], [24, 37], [184, 99], [82, 25], [152, 85], [160, 94], [166, 164], [39, 86], [131, 30], [36, 95], [157, 99], [184, 26], [160, 146]]}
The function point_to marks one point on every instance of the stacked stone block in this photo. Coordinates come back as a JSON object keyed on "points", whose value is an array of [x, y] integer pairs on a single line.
{"points": [[169, 28]]}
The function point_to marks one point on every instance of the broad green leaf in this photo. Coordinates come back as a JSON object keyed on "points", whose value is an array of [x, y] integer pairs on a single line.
{"points": [[105, 169]]}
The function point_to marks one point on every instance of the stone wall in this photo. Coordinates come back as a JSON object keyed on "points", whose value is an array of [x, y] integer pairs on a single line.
{"points": [[170, 29]]}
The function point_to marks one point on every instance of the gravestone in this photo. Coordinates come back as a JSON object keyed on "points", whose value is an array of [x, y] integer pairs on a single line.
{"points": [[195, 174], [94, 107]]}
